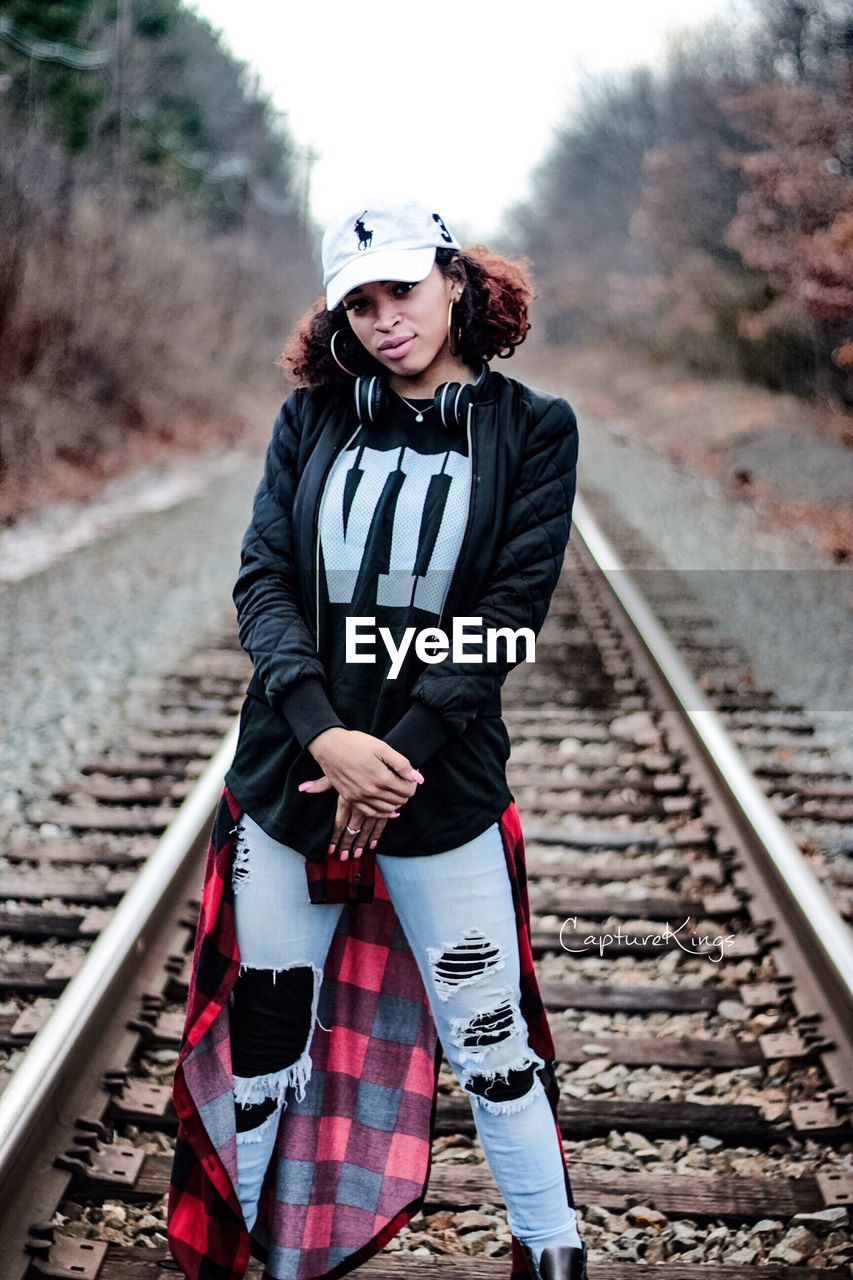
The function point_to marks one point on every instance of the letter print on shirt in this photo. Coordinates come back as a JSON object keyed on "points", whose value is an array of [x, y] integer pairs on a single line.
{"points": [[391, 527]]}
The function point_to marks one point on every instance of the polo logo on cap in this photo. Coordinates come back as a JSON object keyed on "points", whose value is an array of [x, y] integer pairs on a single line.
{"points": [[365, 237], [445, 234]]}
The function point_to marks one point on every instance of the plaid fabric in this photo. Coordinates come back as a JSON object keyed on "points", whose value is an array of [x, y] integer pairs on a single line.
{"points": [[331, 880], [352, 1160]]}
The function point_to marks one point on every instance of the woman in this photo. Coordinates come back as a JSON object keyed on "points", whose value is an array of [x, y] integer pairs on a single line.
{"points": [[365, 875]]}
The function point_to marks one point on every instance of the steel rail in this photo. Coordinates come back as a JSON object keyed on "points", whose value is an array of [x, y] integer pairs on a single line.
{"points": [[824, 939], [51, 1064]]}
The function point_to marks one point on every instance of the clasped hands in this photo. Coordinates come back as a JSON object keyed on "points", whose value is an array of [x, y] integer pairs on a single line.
{"points": [[372, 781]]}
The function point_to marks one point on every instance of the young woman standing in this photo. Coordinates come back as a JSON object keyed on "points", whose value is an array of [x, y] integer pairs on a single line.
{"points": [[365, 876]]}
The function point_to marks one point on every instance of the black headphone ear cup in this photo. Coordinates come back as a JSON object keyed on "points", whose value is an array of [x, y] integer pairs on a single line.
{"points": [[369, 399], [451, 403], [446, 402], [453, 398]]}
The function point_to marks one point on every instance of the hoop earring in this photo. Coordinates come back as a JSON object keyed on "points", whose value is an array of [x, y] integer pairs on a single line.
{"points": [[453, 350], [335, 358]]}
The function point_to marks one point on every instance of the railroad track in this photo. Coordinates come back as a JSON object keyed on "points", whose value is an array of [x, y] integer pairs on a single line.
{"points": [[706, 1083]]}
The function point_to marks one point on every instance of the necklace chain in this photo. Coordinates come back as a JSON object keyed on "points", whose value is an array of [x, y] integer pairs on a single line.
{"points": [[419, 413]]}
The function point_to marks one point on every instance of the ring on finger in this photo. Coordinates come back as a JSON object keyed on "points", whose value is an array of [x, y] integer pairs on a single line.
{"points": [[353, 830]]}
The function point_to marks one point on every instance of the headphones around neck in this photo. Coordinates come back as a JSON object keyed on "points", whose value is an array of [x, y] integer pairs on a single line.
{"points": [[451, 399]]}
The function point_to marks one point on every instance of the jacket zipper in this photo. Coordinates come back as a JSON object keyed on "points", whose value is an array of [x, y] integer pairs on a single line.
{"points": [[471, 449], [317, 517]]}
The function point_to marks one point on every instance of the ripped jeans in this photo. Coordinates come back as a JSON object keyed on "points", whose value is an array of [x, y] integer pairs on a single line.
{"points": [[457, 912]]}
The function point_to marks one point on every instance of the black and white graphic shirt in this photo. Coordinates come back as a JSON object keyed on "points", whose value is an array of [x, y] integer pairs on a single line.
{"points": [[392, 519]]}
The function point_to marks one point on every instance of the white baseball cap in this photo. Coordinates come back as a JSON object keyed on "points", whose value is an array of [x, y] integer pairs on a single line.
{"points": [[391, 239]]}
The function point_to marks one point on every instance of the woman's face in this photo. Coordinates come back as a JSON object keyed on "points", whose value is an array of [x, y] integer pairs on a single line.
{"points": [[402, 325]]}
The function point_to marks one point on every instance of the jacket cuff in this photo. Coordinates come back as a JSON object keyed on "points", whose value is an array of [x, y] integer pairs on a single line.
{"points": [[306, 707], [418, 733]]}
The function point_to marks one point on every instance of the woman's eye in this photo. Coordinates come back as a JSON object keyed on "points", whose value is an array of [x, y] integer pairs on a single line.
{"points": [[360, 303]]}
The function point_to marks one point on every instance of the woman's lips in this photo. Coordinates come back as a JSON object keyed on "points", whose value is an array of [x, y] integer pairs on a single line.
{"points": [[394, 353]]}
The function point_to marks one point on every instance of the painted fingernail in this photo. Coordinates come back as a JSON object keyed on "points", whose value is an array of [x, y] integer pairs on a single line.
{"points": [[374, 843], [344, 855], [357, 853], [416, 773], [331, 849]]}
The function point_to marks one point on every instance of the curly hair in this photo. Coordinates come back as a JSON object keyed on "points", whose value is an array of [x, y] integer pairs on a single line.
{"points": [[490, 320]]}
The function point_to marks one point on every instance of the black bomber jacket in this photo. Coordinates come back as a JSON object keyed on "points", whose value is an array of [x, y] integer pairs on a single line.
{"points": [[523, 443]]}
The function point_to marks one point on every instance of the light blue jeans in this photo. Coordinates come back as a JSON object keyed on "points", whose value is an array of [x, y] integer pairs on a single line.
{"points": [[457, 912]]}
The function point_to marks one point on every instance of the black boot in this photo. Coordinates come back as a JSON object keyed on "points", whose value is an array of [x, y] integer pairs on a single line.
{"points": [[558, 1262]]}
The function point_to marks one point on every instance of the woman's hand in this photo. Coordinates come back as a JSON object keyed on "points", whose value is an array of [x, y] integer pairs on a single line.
{"points": [[365, 831], [372, 780]]}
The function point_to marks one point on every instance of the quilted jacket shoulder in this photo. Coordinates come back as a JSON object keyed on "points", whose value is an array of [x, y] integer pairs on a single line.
{"points": [[271, 622]]}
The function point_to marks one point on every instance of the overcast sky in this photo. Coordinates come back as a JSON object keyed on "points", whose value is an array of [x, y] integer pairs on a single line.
{"points": [[453, 103]]}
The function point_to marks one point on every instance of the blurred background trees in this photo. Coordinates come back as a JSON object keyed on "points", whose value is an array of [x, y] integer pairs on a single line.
{"points": [[154, 246], [706, 213]]}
